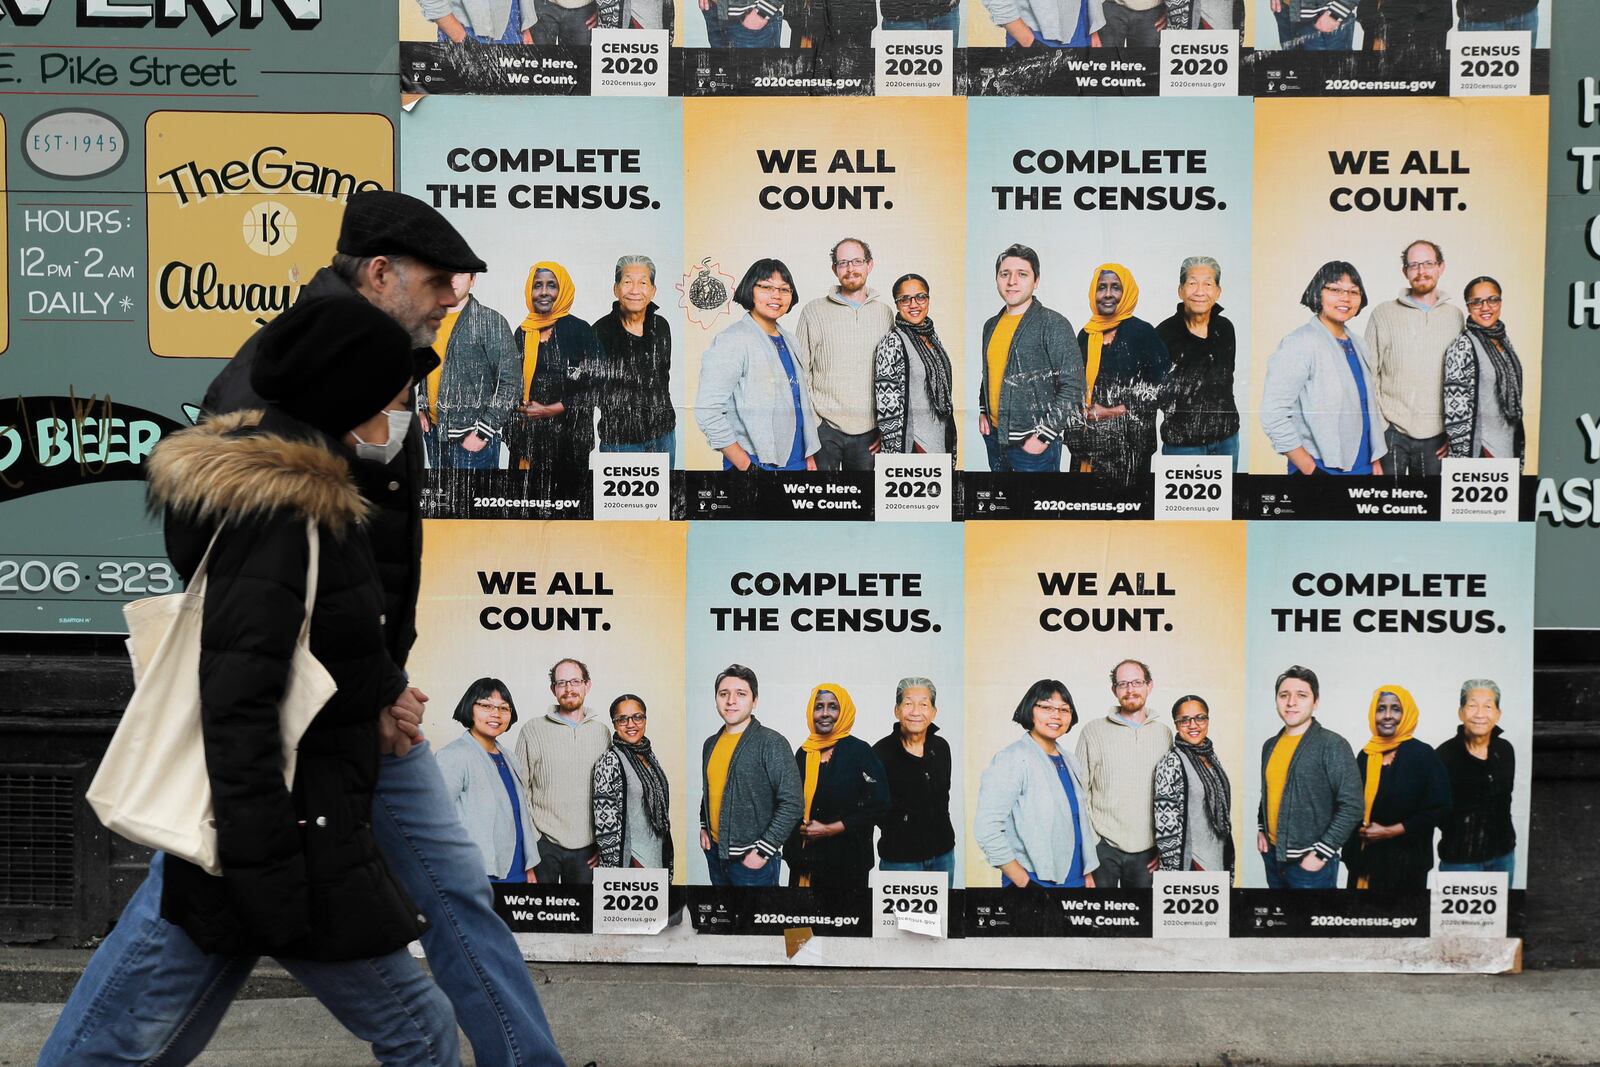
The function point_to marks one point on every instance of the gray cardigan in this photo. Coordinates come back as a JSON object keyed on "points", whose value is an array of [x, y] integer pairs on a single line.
{"points": [[1023, 815], [1322, 798], [763, 799], [744, 394], [481, 803], [1310, 399], [1042, 392], [482, 374]]}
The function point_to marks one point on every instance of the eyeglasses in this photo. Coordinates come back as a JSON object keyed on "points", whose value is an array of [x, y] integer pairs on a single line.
{"points": [[568, 683], [1191, 719], [850, 263], [777, 290], [1054, 710], [1422, 264], [628, 720], [912, 298], [487, 705], [1339, 290], [1137, 683], [1484, 301]]}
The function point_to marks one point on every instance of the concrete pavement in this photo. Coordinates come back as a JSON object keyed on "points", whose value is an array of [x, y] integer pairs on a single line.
{"points": [[668, 1014]]}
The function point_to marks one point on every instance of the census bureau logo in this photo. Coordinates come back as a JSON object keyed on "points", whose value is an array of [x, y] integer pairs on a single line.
{"points": [[270, 228]]}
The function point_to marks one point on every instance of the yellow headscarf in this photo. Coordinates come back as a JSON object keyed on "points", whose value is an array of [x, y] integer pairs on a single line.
{"points": [[536, 322], [1099, 325], [1378, 747], [816, 743]]}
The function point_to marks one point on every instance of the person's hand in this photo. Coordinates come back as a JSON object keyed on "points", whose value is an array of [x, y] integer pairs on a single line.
{"points": [[812, 829], [1088, 881], [753, 21], [533, 877], [1326, 23], [1161, 23], [424, 422], [811, 463], [590, 23], [527, 38], [391, 742], [877, 444], [1021, 33], [535, 410], [705, 841], [983, 424], [754, 860], [1443, 450], [473, 443], [408, 708], [1263, 846], [1311, 863], [1377, 466], [1094, 41], [452, 28], [1277, 5], [705, 5], [1302, 459], [1378, 832], [1154, 864], [1034, 445], [594, 859], [1099, 412]]}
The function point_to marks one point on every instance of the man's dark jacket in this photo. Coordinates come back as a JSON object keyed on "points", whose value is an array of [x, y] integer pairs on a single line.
{"points": [[395, 526]]}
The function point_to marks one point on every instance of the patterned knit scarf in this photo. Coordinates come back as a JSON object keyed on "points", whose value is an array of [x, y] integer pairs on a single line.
{"points": [[921, 338], [652, 780], [1219, 802], [1507, 367]]}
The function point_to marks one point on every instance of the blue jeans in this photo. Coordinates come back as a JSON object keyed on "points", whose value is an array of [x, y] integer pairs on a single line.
{"points": [[726, 872], [945, 861], [716, 29], [150, 991], [950, 20], [1527, 21], [1307, 37], [458, 458], [1291, 875], [150, 995], [1506, 864], [667, 442], [1228, 446], [768, 36], [1004, 458]]}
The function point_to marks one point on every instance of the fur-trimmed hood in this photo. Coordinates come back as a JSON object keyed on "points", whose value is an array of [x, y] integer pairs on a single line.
{"points": [[230, 468]]}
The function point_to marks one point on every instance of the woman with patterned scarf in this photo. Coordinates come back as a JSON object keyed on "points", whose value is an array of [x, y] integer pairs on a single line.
{"points": [[1483, 381], [912, 377], [1193, 800], [551, 427], [632, 824], [1407, 795], [846, 793]]}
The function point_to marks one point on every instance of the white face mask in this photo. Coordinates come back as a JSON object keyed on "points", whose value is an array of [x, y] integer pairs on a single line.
{"points": [[399, 423]]}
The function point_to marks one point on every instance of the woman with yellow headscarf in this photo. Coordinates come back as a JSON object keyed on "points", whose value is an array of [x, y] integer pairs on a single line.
{"points": [[846, 793], [1407, 795], [1125, 363], [551, 428]]}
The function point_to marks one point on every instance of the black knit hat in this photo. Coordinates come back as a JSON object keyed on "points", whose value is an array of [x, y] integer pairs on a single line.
{"points": [[332, 362], [379, 222]]}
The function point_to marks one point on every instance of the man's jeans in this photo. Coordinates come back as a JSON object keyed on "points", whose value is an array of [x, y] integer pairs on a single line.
{"points": [[1506, 864], [457, 457], [1291, 875], [1122, 870], [1307, 37], [1528, 20], [737, 36], [1127, 28], [667, 442], [1412, 457], [563, 866], [1004, 458], [1228, 446], [566, 26], [733, 872], [945, 861], [149, 992], [950, 20], [842, 451]]}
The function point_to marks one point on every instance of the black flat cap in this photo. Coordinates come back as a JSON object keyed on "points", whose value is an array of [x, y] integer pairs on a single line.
{"points": [[333, 362], [384, 223]]}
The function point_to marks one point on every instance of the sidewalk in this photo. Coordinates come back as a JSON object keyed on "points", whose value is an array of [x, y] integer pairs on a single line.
{"points": [[668, 1014]]}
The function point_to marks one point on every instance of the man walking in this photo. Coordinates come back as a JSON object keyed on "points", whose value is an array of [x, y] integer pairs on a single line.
{"points": [[1408, 337], [149, 990], [1311, 796], [1118, 755], [557, 753], [838, 335], [751, 797]]}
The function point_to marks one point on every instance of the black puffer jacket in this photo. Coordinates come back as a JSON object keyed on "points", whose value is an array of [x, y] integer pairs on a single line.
{"points": [[302, 876], [395, 526]]}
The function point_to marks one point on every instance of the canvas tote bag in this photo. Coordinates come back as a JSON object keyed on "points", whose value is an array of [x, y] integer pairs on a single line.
{"points": [[152, 786]]}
